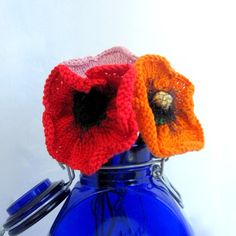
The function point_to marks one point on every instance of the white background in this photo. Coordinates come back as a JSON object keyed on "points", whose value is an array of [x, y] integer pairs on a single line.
{"points": [[197, 37]]}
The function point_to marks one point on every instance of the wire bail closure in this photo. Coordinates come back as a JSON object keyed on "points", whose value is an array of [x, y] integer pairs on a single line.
{"points": [[65, 188], [70, 172], [157, 169], [157, 172]]}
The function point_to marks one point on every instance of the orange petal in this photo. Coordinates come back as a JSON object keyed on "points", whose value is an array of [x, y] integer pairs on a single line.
{"points": [[154, 73]]}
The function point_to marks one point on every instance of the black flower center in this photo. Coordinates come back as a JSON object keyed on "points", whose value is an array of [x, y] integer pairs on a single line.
{"points": [[162, 107], [89, 109]]}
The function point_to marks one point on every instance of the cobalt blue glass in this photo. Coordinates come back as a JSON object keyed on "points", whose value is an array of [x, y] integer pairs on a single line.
{"points": [[126, 201]]}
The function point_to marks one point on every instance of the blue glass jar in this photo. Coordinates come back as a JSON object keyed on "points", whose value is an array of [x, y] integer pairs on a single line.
{"points": [[121, 199]]}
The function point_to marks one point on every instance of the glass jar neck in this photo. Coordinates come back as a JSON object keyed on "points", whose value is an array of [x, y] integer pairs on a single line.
{"points": [[128, 168]]}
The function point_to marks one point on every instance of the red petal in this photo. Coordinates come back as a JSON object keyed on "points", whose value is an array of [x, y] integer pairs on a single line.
{"points": [[88, 150]]}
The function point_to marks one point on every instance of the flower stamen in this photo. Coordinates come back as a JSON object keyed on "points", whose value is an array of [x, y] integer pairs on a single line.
{"points": [[161, 104], [163, 100]]}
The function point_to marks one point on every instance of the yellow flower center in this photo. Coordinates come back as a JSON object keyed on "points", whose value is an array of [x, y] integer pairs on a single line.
{"points": [[163, 99]]}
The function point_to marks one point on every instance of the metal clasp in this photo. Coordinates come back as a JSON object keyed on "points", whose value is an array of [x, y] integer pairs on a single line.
{"points": [[70, 172], [157, 172], [71, 176]]}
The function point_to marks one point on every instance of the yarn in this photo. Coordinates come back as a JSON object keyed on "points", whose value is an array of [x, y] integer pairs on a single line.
{"points": [[114, 55], [89, 109], [94, 107], [77, 135], [164, 108]]}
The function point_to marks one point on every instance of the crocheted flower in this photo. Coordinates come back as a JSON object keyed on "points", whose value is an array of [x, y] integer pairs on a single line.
{"points": [[89, 118], [164, 108]]}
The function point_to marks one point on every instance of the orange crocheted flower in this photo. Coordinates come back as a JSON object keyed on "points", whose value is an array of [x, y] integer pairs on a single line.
{"points": [[163, 102]]}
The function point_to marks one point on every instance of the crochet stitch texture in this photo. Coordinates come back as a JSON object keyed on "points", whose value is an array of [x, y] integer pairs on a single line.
{"points": [[94, 107], [166, 131], [87, 149]]}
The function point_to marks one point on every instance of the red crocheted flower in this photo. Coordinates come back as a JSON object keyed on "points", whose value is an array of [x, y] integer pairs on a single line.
{"points": [[88, 119]]}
